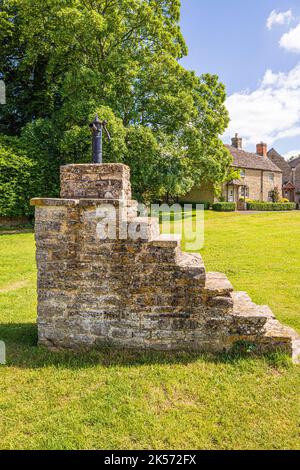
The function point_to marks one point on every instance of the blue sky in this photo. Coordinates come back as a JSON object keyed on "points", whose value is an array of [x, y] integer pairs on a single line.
{"points": [[254, 47]]}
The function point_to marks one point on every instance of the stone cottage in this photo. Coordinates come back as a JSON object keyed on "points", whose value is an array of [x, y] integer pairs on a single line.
{"points": [[291, 175], [259, 175]]}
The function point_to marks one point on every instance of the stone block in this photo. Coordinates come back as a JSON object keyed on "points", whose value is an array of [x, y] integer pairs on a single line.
{"points": [[106, 181]]}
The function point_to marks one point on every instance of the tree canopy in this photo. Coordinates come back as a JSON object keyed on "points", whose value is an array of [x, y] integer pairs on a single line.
{"points": [[63, 60]]}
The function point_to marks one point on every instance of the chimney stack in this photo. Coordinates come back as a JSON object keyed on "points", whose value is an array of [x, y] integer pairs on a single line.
{"points": [[237, 142], [262, 149]]}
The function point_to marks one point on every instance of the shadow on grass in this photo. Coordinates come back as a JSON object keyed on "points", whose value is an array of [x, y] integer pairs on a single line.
{"points": [[23, 352]]}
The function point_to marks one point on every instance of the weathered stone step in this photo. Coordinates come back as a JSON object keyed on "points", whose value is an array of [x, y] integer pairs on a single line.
{"points": [[280, 337], [191, 268], [217, 285], [167, 241], [275, 329], [145, 228], [162, 250], [244, 307], [247, 319]]}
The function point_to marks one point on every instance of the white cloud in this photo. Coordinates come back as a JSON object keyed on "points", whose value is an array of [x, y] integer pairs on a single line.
{"points": [[269, 113], [291, 40], [292, 153], [280, 18]]}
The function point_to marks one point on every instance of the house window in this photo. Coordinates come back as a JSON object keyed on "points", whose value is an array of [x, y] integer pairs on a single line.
{"points": [[244, 191], [270, 196], [242, 173], [271, 177]]}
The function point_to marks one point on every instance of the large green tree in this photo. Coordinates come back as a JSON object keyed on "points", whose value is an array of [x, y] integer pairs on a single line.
{"points": [[62, 60]]}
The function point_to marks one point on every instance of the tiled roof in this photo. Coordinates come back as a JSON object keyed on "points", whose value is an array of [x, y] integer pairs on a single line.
{"points": [[273, 152], [288, 186], [242, 159], [236, 183], [294, 163]]}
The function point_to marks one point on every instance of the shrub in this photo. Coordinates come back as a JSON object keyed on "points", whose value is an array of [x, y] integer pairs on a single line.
{"points": [[16, 183], [271, 206], [275, 195], [224, 206], [251, 200], [284, 200]]}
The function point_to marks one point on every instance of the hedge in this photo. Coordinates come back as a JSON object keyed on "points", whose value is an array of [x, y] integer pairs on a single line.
{"points": [[16, 183], [224, 206], [271, 206]]}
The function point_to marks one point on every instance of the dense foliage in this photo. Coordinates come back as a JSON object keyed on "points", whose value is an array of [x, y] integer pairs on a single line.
{"points": [[271, 206], [64, 60], [16, 183], [224, 206]]}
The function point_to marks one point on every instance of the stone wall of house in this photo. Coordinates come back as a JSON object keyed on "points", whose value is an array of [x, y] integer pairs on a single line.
{"points": [[253, 181], [269, 185], [98, 286], [259, 184]]}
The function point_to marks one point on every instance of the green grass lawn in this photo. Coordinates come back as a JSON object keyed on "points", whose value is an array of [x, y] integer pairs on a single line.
{"points": [[115, 400]]}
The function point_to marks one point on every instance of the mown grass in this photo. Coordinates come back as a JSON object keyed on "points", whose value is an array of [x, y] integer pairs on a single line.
{"points": [[124, 400]]}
